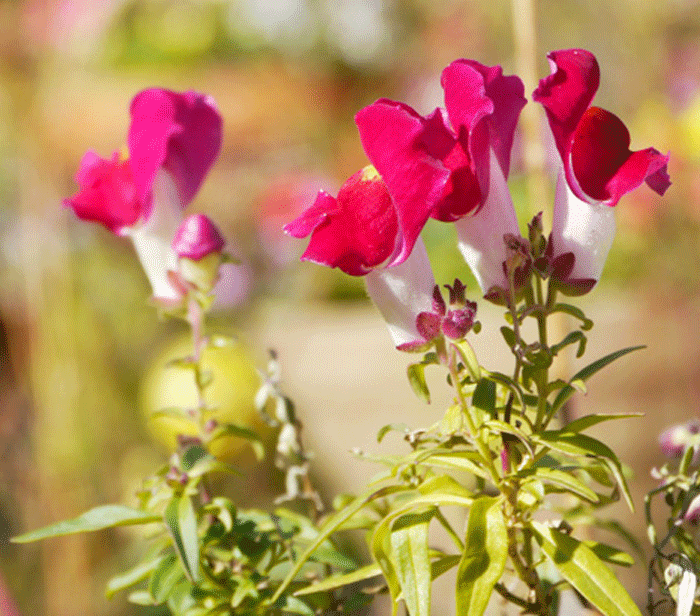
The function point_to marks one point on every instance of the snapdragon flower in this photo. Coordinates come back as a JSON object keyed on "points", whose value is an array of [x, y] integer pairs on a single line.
{"points": [[596, 168], [173, 140], [372, 228]]}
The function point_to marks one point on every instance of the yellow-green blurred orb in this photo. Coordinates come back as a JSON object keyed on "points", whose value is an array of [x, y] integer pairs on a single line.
{"points": [[231, 391]]}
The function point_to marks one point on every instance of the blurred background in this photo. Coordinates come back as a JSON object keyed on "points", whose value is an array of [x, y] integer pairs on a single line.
{"points": [[81, 353]]}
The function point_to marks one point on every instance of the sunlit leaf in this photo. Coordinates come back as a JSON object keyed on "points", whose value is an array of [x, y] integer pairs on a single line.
{"points": [[583, 423], [484, 558], [589, 575], [416, 377], [164, 578], [181, 520], [133, 576], [409, 547], [99, 518], [343, 579]]}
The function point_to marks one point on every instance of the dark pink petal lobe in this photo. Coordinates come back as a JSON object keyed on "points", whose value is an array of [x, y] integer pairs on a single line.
{"points": [[602, 162], [178, 132], [355, 232], [107, 193], [324, 206], [428, 325], [395, 138], [508, 96], [567, 92], [197, 237]]}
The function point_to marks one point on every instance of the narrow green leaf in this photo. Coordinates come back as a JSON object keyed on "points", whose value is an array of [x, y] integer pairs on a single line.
{"points": [[329, 526], [133, 576], [98, 518], [226, 430], [588, 574], [609, 554], [165, 577], [566, 481], [416, 377], [409, 547], [574, 311], [399, 427], [507, 382], [141, 597], [574, 337], [484, 396], [443, 565], [583, 423], [297, 606], [461, 460], [343, 579], [468, 356], [484, 558], [380, 547], [584, 446], [587, 372], [508, 335], [181, 520]]}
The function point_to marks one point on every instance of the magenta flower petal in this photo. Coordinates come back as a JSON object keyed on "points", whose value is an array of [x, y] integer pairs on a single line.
{"points": [[197, 237], [355, 232], [107, 194], [178, 132], [567, 93], [394, 138], [602, 162]]}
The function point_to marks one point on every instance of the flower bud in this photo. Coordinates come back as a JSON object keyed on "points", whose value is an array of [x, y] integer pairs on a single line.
{"points": [[198, 244]]}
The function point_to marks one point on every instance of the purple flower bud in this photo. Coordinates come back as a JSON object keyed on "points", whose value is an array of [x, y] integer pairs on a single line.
{"points": [[197, 237]]}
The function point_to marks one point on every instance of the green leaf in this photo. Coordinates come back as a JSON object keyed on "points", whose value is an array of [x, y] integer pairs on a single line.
{"points": [[466, 352], [329, 526], [484, 396], [141, 597], [589, 575], [384, 430], [343, 579], [587, 372], [192, 455], [571, 338], [461, 460], [229, 429], [508, 383], [484, 558], [297, 606], [181, 520], [133, 576], [609, 554], [416, 377], [574, 311], [583, 423], [106, 516], [165, 577], [566, 481], [509, 336], [409, 547], [584, 446]]}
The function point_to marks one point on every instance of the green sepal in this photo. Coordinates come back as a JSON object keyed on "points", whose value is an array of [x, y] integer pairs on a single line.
{"points": [[98, 518], [589, 575], [484, 557]]}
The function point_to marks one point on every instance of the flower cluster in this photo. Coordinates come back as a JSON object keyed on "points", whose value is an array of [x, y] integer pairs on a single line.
{"points": [[173, 140], [453, 166]]}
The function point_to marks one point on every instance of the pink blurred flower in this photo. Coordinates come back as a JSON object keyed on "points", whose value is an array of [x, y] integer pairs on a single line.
{"points": [[197, 237], [597, 167], [173, 140]]}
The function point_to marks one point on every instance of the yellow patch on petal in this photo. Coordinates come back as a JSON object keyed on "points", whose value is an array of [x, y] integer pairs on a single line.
{"points": [[370, 174], [124, 154]]}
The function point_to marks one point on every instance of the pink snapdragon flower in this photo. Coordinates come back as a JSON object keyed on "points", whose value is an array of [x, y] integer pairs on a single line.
{"points": [[173, 140], [472, 138], [372, 227], [597, 168]]}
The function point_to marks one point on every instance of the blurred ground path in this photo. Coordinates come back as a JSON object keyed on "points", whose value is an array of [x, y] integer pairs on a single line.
{"points": [[347, 381]]}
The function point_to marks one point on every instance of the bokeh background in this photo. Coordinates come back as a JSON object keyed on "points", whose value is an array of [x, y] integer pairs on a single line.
{"points": [[81, 352]]}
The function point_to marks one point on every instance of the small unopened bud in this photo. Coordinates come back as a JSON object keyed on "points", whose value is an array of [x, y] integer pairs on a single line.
{"points": [[198, 244], [692, 515]]}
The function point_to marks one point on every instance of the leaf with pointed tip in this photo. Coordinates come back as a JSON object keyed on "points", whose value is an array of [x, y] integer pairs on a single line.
{"points": [[416, 377], [409, 550], [181, 520], [484, 558], [99, 518], [587, 372], [590, 576], [133, 576]]}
